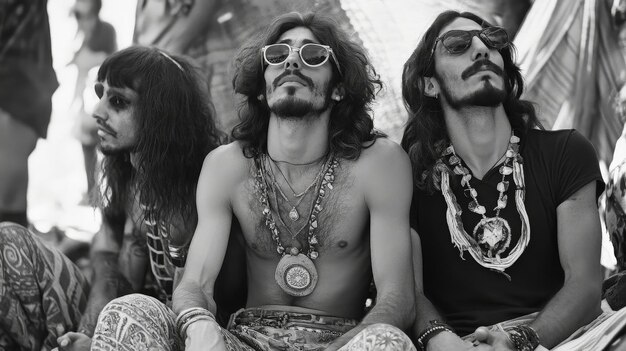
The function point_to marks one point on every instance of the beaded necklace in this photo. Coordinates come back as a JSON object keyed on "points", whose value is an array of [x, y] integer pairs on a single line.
{"points": [[295, 273], [492, 235]]}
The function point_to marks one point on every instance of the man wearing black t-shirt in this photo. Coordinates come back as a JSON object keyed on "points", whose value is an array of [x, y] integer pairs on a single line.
{"points": [[507, 255]]}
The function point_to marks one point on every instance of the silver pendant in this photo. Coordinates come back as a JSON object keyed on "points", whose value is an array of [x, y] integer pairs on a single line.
{"points": [[293, 214], [493, 236], [296, 275]]}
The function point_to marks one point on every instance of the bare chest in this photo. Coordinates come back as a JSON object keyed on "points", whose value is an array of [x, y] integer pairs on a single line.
{"points": [[332, 217]]}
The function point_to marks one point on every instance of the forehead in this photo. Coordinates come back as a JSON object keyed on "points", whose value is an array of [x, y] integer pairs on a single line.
{"points": [[461, 24], [297, 36]]}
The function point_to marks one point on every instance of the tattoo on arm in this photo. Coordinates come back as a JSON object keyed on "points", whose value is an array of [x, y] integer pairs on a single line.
{"points": [[108, 283]]}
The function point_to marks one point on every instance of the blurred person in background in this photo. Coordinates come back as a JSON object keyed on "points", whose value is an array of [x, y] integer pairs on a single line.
{"points": [[155, 126], [27, 82], [98, 40]]}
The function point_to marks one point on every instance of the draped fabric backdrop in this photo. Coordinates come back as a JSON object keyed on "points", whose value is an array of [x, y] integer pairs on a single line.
{"points": [[573, 68]]}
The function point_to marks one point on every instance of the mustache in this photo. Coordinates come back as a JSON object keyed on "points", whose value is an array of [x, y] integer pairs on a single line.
{"points": [[296, 73], [481, 65], [106, 127]]}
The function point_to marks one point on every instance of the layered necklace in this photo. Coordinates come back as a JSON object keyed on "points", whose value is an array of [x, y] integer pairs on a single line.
{"points": [[492, 235], [296, 273], [294, 215]]}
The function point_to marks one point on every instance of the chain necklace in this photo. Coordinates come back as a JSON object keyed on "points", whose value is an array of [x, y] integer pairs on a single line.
{"points": [[492, 235], [275, 198], [294, 215], [295, 273]]}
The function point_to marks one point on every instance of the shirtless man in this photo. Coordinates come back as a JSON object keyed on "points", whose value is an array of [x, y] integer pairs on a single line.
{"points": [[322, 201]]}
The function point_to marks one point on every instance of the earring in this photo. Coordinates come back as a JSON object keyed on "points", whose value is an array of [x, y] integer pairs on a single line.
{"points": [[260, 97], [337, 97]]}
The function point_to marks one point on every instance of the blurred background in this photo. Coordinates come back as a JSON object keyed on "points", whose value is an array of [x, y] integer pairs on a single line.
{"points": [[571, 53]]}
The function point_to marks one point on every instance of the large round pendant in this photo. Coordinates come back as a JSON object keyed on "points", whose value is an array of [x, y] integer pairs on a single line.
{"points": [[493, 236], [296, 275]]}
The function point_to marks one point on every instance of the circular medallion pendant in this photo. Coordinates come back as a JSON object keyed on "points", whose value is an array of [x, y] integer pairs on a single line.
{"points": [[294, 215], [493, 236], [296, 275]]}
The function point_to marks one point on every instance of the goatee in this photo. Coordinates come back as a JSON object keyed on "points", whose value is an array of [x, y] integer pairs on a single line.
{"points": [[487, 96]]}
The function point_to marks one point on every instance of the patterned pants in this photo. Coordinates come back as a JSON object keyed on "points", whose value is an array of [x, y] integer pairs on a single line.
{"points": [[40, 288], [139, 322]]}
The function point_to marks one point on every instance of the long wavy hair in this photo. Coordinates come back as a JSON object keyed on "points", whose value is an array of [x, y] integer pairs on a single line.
{"points": [[425, 135], [176, 130], [351, 123]]}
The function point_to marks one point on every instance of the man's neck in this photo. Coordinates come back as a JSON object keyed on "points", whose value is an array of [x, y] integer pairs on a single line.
{"points": [[480, 136], [298, 141]]}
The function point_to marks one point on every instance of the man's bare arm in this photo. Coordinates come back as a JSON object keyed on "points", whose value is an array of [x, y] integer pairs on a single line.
{"points": [[385, 175], [578, 301], [210, 239], [109, 282], [579, 240], [425, 311]]}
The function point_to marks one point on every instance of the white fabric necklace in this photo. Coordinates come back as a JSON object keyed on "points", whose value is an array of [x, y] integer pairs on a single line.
{"points": [[492, 235]]}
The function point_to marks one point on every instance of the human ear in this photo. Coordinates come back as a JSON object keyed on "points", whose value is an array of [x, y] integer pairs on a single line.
{"points": [[338, 93], [431, 87]]}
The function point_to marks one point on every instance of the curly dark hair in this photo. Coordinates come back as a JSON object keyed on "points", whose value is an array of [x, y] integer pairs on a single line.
{"points": [[176, 130], [425, 135], [351, 123]]}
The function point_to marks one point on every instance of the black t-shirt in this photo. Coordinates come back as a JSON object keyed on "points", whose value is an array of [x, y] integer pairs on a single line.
{"points": [[556, 165]]}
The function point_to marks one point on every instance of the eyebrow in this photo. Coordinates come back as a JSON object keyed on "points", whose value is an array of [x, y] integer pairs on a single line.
{"points": [[290, 42], [124, 91]]}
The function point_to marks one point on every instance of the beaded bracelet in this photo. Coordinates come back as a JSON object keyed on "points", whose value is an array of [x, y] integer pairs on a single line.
{"points": [[435, 328], [523, 337], [189, 316]]}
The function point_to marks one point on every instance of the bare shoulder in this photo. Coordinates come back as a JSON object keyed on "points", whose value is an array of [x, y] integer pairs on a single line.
{"points": [[226, 160], [223, 171], [381, 153]]}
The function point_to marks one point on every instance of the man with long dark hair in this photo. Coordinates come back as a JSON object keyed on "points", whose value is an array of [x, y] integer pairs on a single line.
{"points": [[505, 212], [155, 126], [319, 201]]}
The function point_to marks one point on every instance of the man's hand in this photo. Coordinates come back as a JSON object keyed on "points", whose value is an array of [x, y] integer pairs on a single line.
{"points": [[204, 335], [72, 341], [497, 339], [447, 341]]}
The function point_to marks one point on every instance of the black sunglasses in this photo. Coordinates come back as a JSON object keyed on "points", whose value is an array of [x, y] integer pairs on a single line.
{"points": [[458, 41]]}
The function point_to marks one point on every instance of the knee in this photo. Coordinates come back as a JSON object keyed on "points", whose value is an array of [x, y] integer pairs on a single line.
{"points": [[15, 241], [132, 302], [138, 320], [137, 307], [381, 336]]}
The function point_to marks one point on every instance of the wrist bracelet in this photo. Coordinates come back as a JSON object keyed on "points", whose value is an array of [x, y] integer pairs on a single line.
{"points": [[189, 316], [435, 328]]}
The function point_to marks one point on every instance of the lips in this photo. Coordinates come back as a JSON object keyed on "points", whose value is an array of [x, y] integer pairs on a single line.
{"points": [[105, 128], [291, 78]]}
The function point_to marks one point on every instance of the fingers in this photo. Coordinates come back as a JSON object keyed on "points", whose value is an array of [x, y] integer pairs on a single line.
{"points": [[482, 334]]}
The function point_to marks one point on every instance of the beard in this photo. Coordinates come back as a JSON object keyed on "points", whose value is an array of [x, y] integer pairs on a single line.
{"points": [[114, 151], [486, 96], [292, 107]]}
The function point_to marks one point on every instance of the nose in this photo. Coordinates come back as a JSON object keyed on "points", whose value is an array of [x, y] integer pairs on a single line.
{"points": [[99, 112], [293, 60], [480, 51]]}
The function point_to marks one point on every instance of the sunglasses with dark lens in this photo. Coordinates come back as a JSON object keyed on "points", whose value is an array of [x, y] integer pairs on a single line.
{"points": [[458, 41], [311, 54]]}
